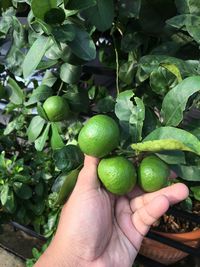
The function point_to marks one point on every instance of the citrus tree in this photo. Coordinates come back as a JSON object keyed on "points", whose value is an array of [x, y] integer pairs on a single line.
{"points": [[65, 61]]}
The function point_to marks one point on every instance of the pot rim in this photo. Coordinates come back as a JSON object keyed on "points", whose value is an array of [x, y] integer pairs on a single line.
{"points": [[187, 236]]}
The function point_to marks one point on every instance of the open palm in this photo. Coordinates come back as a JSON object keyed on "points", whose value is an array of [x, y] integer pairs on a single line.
{"points": [[102, 230]]}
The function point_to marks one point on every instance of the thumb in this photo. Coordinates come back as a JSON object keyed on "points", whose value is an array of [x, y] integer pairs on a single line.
{"points": [[88, 175]]}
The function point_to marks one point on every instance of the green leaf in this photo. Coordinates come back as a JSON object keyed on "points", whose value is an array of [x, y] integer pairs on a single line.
{"points": [[10, 204], [188, 173], [64, 33], [129, 9], [188, 6], [77, 99], [17, 95], [40, 142], [101, 15], [196, 192], [35, 127], [4, 194], [79, 4], [55, 16], [175, 101], [23, 191], [41, 93], [69, 73], [56, 140], [82, 45], [64, 185], [106, 104], [35, 55], [126, 72], [41, 111], [130, 115], [49, 79], [40, 8], [173, 69], [16, 124], [68, 158], [159, 82], [39, 189], [172, 157], [183, 139], [150, 63], [160, 145]]}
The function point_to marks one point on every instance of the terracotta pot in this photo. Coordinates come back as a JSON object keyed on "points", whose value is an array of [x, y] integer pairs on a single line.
{"points": [[165, 254]]}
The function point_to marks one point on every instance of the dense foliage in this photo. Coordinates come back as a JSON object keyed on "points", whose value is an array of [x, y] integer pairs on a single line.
{"points": [[137, 61]]}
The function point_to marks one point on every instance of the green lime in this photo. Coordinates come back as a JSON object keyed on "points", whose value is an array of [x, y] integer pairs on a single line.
{"points": [[152, 174], [99, 136], [117, 174], [56, 108]]}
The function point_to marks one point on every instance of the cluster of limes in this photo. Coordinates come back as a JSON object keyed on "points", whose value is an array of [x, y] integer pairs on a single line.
{"points": [[99, 137]]}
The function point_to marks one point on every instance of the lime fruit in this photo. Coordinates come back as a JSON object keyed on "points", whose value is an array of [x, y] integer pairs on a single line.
{"points": [[56, 108], [99, 136], [152, 174], [117, 174]]}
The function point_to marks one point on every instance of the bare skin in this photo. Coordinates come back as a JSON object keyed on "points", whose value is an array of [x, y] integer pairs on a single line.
{"points": [[100, 230]]}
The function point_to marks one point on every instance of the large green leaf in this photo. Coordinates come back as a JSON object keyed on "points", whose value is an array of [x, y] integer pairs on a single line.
{"points": [[82, 45], [101, 15], [35, 127], [40, 8], [188, 173], [172, 157], [175, 101], [17, 95], [188, 6], [183, 139], [79, 4], [35, 55], [69, 73]]}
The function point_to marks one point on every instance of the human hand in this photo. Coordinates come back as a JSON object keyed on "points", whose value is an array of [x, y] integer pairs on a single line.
{"points": [[102, 230]]}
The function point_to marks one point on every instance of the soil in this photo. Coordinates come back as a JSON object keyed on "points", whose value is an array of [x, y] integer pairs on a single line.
{"points": [[171, 224]]}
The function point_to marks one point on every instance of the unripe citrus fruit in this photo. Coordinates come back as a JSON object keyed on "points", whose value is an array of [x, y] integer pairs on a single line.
{"points": [[117, 174], [56, 108], [99, 136], [152, 174]]}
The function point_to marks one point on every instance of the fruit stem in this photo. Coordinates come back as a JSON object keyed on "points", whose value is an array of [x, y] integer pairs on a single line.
{"points": [[117, 62], [61, 85]]}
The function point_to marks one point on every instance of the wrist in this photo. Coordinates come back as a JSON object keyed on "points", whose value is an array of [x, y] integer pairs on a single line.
{"points": [[55, 257]]}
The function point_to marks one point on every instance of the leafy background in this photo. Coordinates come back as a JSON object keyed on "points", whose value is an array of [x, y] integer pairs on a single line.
{"points": [[137, 61]]}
